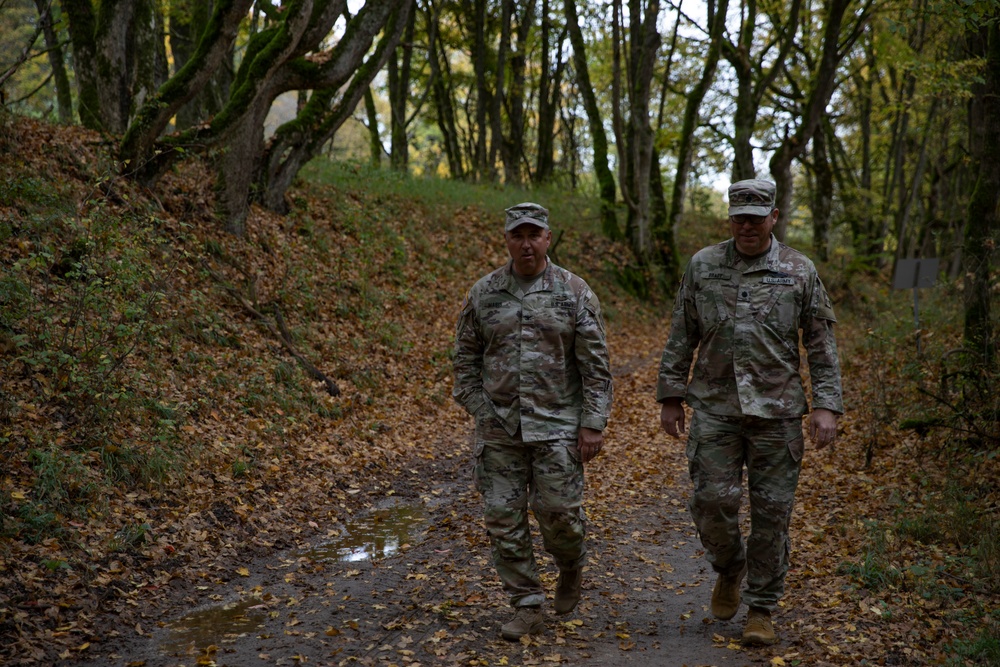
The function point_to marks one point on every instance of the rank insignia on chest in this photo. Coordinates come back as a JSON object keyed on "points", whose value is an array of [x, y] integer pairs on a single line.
{"points": [[779, 280]]}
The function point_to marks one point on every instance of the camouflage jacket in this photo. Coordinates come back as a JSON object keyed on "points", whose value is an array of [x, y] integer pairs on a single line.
{"points": [[537, 360], [744, 320]]}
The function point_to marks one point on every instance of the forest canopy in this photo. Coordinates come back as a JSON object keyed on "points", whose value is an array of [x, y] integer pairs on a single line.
{"points": [[877, 121]]}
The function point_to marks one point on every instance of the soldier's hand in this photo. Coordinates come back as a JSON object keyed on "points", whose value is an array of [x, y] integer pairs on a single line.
{"points": [[590, 443], [822, 427], [672, 416]]}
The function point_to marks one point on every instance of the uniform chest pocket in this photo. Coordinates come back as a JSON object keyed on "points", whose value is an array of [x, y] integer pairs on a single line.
{"points": [[713, 307], [781, 308]]}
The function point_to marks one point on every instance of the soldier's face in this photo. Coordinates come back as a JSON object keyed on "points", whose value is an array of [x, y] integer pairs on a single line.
{"points": [[527, 245], [753, 232]]}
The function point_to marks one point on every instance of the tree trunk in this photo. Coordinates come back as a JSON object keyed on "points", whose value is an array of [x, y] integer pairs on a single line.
{"points": [[752, 82], [512, 146], [100, 48], [149, 52], [644, 43], [139, 144], [822, 199], [548, 105], [57, 61], [338, 87], [598, 137], [685, 152], [187, 23], [399, 93], [239, 129], [571, 149], [822, 85], [984, 206], [906, 245], [483, 97], [868, 243], [443, 97], [119, 58], [499, 91], [374, 139]]}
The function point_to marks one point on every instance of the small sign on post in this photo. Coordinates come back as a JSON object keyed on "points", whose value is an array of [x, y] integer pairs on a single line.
{"points": [[914, 274]]}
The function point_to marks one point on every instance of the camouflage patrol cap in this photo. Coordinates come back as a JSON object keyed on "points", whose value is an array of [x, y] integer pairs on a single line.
{"points": [[527, 213], [751, 197]]}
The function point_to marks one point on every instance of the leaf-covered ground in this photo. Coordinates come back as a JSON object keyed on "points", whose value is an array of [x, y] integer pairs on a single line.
{"points": [[222, 554]]}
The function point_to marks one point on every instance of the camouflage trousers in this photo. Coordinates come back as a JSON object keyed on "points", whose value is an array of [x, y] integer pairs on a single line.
{"points": [[718, 448], [512, 475]]}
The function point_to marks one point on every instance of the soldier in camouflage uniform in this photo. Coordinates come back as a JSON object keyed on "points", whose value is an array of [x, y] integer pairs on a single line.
{"points": [[531, 365], [741, 305]]}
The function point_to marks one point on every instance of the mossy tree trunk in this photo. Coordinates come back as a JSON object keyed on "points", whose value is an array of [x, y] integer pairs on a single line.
{"points": [[139, 147], [188, 19], [339, 83], [119, 58]]}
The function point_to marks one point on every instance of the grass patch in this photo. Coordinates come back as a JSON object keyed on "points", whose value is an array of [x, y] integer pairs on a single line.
{"points": [[874, 570], [981, 649]]}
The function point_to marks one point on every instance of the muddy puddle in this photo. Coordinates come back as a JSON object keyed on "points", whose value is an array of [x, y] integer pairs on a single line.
{"points": [[377, 535], [374, 536]]}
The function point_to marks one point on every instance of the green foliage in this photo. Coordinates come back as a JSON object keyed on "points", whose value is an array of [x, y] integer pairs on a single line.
{"points": [[874, 570], [963, 400], [983, 649], [130, 537], [566, 209], [61, 478], [916, 379], [98, 306], [79, 317], [134, 465], [240, 468], [31, 522], [632, 278]]}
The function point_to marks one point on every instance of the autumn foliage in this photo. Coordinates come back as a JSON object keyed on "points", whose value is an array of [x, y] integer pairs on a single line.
{"points": [[176, 401]]}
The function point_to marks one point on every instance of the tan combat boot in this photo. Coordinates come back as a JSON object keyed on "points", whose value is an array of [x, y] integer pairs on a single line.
{"points": [[759, 629], [726, 594], [568, 590], [526, 621]]}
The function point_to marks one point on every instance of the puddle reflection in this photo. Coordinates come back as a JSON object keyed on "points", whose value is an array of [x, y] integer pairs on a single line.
{"points": [[374, 536], [214, 625]]}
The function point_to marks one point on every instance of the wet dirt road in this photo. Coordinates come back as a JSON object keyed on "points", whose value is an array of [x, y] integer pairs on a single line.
{"points": [[409, 582]]}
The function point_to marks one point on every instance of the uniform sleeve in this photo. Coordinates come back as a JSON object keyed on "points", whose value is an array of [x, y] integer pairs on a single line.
{"points": [[682, 341], [591, 350], [821, 349], [468, 364]]}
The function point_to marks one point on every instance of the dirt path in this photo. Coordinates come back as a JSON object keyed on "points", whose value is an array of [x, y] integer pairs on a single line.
{"points": [[422, 591], [409, 581]]}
